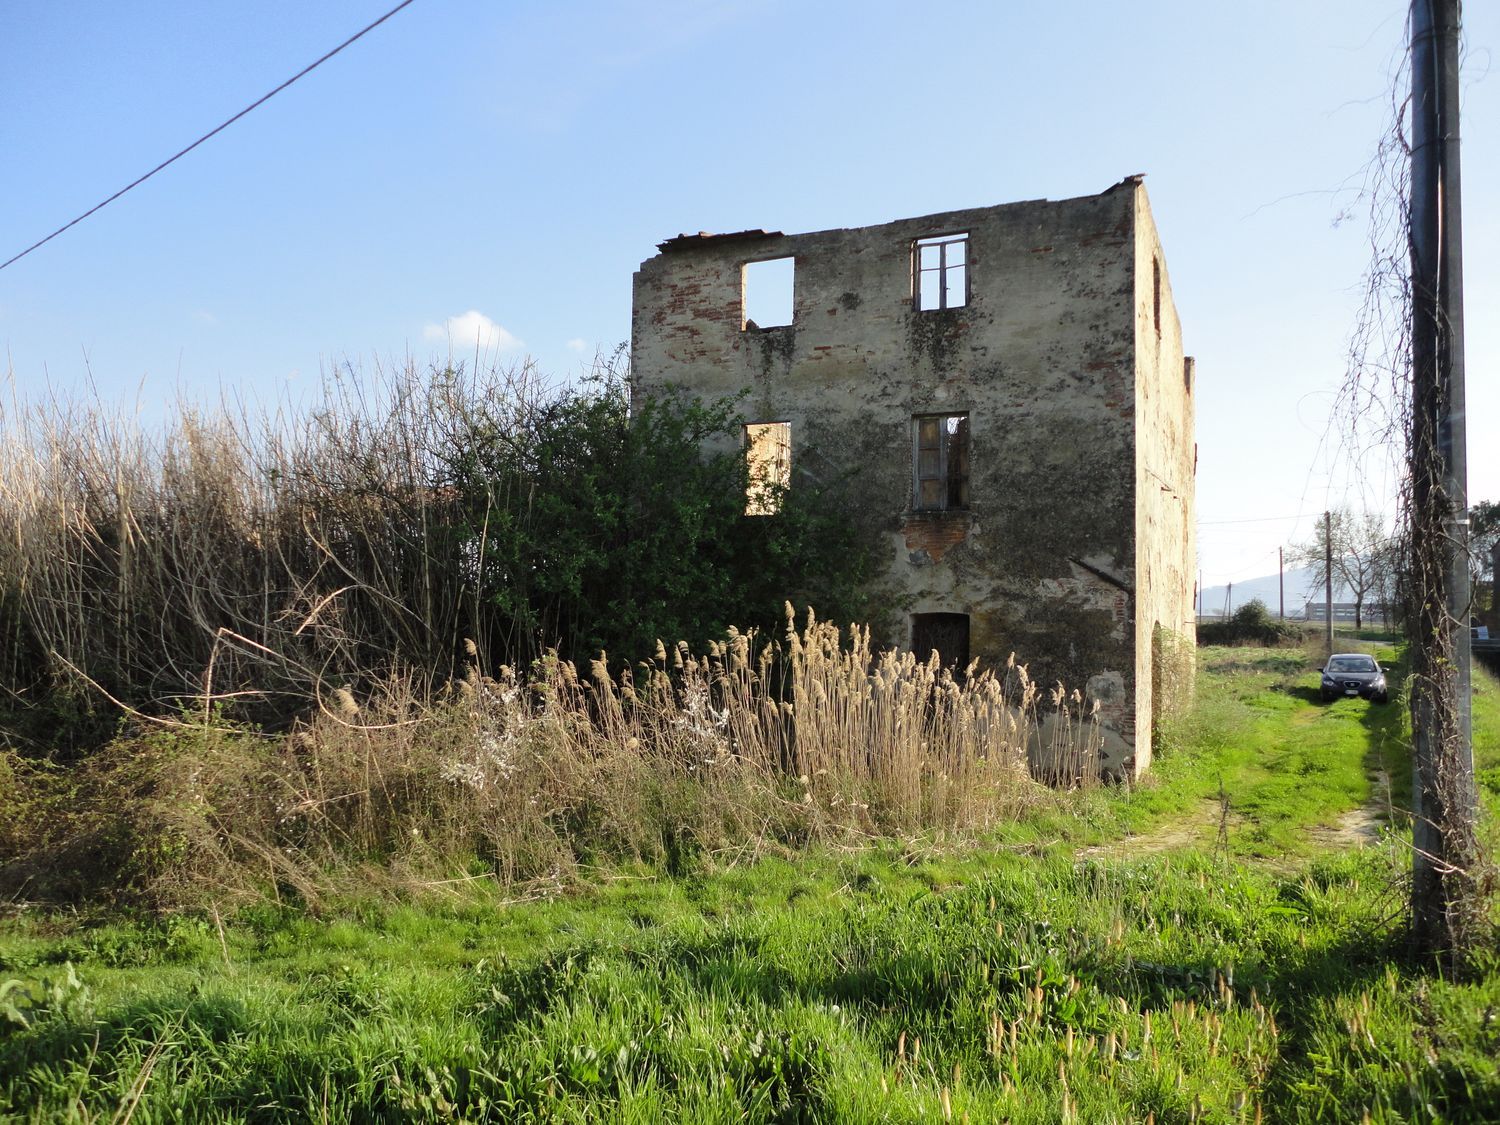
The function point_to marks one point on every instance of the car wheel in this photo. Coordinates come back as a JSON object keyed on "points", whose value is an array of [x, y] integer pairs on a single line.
{"points": [[1381, 698]]}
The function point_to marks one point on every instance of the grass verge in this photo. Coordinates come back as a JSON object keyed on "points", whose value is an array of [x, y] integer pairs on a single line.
{"points": [[1251, 973]]}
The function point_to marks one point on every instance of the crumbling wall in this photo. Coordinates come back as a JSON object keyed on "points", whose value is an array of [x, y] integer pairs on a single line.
{"points": [[1042, 358], [1166, 468]]}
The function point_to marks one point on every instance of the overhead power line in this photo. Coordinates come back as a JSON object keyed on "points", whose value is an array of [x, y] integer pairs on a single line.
{"points": [[360, 34], [1258, 519]]}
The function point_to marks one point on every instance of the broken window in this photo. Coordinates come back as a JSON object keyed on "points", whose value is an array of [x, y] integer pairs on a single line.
{"points": [[766, 293], [941, 452], [768, 449], [946, 634], [941, 271]]}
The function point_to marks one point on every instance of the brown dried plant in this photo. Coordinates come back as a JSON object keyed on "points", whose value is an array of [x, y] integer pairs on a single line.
{"points": [[526, 780]]}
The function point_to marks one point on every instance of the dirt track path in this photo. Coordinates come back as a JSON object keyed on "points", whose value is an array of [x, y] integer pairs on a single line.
{"points": [[1353, 829]]}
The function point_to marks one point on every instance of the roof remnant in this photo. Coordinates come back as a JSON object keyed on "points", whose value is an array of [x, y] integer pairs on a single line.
{"points": [[684, 241]]}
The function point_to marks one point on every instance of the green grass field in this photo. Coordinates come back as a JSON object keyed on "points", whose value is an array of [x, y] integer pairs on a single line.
{"points": [[1219, 944]]}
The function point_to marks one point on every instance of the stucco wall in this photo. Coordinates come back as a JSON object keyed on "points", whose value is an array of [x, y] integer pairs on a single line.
{"points": [[1043, 358], [1166, 547]]}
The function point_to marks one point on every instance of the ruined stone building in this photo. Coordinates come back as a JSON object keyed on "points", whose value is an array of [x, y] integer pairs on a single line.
{"points": [[1006, 386]]}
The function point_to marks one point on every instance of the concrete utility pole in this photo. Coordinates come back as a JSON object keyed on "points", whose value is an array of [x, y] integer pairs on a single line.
{"points": [[1444, 895], [1328, 579]]}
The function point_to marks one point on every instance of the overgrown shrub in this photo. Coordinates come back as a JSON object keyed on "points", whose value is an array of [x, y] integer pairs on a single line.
{"points": [[1174, 664], [597, 529], [13, 804], [1251, 624], [261, 562]]}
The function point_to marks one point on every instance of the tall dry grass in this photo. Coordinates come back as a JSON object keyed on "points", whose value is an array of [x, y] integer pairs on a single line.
{"points": [[240, 556], [287, 605], [750, 746]]}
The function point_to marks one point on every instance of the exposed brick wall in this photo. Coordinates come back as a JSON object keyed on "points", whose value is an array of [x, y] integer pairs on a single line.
{"points": [[935, 533]]}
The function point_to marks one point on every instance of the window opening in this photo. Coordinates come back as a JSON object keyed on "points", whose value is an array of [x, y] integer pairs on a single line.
{"points": [[766, 293], [942, 462], [947, 634], [942, 271], [768, 449], [1156, 294]]}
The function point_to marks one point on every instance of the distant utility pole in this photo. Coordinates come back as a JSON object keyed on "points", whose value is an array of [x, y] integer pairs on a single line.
{"points": [[1445, 898], [1281, 582], [1328, 577]]}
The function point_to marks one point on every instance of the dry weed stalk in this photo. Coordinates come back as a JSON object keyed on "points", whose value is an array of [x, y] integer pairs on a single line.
{"points": [[528, 779]]}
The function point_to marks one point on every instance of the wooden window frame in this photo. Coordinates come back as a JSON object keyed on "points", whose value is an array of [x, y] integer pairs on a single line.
{"points": [[942, 243], [937, 442]]}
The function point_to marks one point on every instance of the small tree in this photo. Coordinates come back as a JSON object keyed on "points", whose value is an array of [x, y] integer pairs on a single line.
{"points": [[1484, 533], [1364, 557]]}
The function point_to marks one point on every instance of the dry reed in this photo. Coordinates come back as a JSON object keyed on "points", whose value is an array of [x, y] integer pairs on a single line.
{"points": [[245, 557], [525, 780]]}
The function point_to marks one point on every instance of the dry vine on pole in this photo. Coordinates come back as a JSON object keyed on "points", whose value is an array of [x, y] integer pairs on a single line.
{"points": [[1405, 379]]}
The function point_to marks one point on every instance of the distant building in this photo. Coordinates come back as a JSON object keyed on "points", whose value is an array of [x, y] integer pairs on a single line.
{"points": [[1008, 385], [1344, 612]]}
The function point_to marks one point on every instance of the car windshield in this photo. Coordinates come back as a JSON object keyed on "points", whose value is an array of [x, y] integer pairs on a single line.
{"points": [[1351, 664]]}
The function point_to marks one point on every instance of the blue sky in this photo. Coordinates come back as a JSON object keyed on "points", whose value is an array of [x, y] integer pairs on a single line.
{"points": [[505, 167]]}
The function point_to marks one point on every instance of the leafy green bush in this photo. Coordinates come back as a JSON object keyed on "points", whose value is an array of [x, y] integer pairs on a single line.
{"points": [[24, 1004], [1252, 624], [595, 528], [12, 803]]}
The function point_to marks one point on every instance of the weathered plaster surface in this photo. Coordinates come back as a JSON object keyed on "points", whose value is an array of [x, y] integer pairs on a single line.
{"points": [[1166, 467], [1049, 360]]}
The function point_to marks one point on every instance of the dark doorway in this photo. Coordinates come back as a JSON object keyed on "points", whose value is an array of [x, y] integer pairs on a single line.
{"points": [[947, 633]]}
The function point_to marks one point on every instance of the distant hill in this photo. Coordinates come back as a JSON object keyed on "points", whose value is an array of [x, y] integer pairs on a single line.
{"points": [[1299, 591]]}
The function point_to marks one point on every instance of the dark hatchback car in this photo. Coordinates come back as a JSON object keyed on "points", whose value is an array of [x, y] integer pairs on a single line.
{"points": [[1351, 674]]}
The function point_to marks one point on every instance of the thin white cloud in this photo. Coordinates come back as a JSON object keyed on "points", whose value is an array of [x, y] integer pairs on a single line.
{"points": [[472, 330], [577, 344]]}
